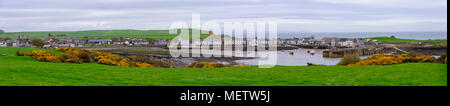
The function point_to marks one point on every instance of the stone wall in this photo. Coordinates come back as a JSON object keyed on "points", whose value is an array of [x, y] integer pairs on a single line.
{"points": [[356, 51]]}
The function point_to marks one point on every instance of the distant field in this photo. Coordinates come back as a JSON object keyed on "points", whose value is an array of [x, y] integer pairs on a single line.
{"points": [[397, 40], [97, 34], [26, 71]]}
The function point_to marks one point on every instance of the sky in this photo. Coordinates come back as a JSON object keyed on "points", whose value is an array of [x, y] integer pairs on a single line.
{"points": [[291, 15]]}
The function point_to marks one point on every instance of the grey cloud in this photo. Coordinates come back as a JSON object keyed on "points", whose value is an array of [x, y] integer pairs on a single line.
{"points": [[326, 15]]}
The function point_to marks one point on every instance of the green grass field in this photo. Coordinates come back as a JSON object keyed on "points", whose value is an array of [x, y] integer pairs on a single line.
{"points": [[98, 34], [397, 40], [25, 71]]}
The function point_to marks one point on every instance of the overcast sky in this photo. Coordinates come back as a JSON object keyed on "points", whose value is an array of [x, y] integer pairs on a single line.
{"points": [[291, 15]]}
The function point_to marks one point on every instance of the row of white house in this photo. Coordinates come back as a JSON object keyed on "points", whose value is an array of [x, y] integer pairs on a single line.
{"points": [[75, 42], [326, 41], [24, 41]]}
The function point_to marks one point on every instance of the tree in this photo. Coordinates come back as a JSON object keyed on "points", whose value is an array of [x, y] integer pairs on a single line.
{"points": [[38, 43], [392, 36], [1, 31]]}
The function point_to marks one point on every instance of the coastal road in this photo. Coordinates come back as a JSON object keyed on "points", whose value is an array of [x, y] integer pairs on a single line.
{"points": [[395, 47]]}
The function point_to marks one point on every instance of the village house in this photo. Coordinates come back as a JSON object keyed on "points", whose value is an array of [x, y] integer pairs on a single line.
{"points": [[196, 43], [297, 41], [262, 42], [280, 41], [212, 42], [140, 41], [339, 42], [3, 43], [11, 43], [121, 41], [160, 43], [239, 42], [23, 41], [64, 42], [359, 42], [307, 40], [330, 41], [251, 42], [99, 41]]}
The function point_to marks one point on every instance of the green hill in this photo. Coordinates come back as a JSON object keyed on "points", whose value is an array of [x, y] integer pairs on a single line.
{"points": [[26, 71], [94, 34], [397, 40]]}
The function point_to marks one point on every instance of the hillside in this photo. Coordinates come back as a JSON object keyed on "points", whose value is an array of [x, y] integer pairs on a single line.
{"points": [[398, 40], [95, 34]]}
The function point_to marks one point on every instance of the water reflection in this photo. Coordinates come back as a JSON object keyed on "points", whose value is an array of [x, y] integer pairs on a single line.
{"points": [[298, 57]]}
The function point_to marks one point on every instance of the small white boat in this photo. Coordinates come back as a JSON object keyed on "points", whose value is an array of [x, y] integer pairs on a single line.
{"points": [[311, 52]]}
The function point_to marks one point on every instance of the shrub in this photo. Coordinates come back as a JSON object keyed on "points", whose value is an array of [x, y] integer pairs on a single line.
{"points": [[412, 54], [164, 64], [80, 56], [139, 64], [393, 36], [135, 58], [87, 56], [72, 58], [38, 42], [239, 65], [381, 59], [349, 59], [311, 64], [108, 59], [46, 56], [66, 49], [18, 53], [27, 54], [442, 59]]}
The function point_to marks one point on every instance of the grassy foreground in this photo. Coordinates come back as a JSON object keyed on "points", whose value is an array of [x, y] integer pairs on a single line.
{"points": [[25, 71]]}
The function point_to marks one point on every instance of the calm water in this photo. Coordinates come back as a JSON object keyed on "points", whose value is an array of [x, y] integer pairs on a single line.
{"points": [[299, 58], [404, 35]]}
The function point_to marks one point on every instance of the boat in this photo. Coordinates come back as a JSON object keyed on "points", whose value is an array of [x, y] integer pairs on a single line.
{"points": [[291, 53], [311, 52]]}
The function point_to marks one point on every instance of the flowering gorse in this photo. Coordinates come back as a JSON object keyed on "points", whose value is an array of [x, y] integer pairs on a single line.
{"points": [[80, 56], [382, 59]]}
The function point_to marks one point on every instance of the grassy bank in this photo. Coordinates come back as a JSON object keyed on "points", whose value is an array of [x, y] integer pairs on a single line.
{"points": [[26, 71], [397, 40], [98, 34]]}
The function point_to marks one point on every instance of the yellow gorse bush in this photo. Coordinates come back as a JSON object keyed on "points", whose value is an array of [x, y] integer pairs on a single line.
{"points": [[382, 59], [212, 65], [205, 65], [239, 65], [44, 56], [76, 55]]}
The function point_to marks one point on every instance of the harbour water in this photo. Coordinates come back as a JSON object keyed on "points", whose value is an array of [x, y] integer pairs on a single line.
{"points": [[300, 57], [403, 35], [297, 57]]}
